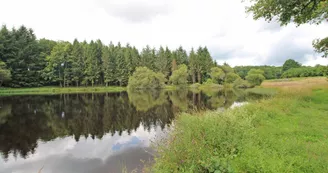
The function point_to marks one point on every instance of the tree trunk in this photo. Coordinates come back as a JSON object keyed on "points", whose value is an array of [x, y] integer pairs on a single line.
{"points": [[193, 77], [199, 77]]}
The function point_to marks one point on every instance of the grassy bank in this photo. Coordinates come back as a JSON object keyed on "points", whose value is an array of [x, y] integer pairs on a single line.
{"points": [[57, 90], [287, 133]]}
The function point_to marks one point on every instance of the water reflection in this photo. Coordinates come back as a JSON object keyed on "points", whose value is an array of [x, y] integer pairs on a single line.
{"points": [[93, 132]]}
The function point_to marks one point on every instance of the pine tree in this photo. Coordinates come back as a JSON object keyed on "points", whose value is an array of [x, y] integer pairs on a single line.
{"points": [[78, 62], [162, 63], [147, 58], [93, 62], [181, 56], [193, 65], [122, 68]]}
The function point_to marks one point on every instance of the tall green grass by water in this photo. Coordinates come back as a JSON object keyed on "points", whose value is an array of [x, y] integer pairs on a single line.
{"points": [[287, 133]]}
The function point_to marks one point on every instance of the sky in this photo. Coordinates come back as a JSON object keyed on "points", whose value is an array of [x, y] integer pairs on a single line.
{"points": [[230, 34]]}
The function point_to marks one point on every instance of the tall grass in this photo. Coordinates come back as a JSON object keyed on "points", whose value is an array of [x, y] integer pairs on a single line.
{"points": [[287, 133]]}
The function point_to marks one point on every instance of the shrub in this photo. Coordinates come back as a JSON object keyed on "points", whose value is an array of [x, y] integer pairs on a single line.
{"points": [[195, 85], [255, 77], [240, 83], [144, 78], [180, 76], [231, 77], [217, 74], [209, 82]]}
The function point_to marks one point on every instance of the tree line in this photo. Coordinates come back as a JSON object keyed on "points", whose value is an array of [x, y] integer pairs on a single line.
{"points": [[30, 62], [290, 69], [26, 61]]}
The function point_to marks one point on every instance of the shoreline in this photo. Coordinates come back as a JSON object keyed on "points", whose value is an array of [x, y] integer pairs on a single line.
{"points": [[58, 90]]}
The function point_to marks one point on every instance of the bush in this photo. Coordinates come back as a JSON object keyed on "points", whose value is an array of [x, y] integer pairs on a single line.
{"points": [[180, 76], [255, 77], [209, 82], [231, 77], [144, 78], [240, 83], [217, 74]]}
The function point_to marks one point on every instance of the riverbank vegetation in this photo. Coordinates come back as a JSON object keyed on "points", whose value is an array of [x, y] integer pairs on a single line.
{"points": [[285, 133], [58, 90]]}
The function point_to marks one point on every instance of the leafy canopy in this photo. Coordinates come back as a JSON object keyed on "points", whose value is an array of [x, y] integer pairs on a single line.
{"points": [[180, 76], [231, 77], [217, 74], [296, 11], [255, 77], [144, 78], [290, 63]]}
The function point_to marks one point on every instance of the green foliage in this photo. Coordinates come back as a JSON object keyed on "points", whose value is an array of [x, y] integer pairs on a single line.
{"points": [[240, 83], [226, 68], [43, 62], [305, 72], [270, 72], [321, 46], [208, 82], [163, 61], [58, 62], [296, 11], [144, 78], [58, 90], [255, 77], [290, 63], [200, 64], [4, 73], [256, 71], [203, 143], [245, 139], [217, 75], [231, 77], [180, 76], [20, 51]]}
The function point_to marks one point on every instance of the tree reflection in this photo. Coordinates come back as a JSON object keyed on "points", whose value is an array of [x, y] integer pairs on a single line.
{"points": [[47, 117], [144, 100]]}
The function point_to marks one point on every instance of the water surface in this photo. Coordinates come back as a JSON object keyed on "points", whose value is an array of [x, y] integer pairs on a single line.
{"points": [[94, 133]]}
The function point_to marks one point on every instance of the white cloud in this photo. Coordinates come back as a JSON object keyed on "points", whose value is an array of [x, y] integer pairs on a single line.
{"points": [[231, 35]]}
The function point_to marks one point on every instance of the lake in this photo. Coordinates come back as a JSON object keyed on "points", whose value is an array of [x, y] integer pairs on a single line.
{"points": [[95, 133]]}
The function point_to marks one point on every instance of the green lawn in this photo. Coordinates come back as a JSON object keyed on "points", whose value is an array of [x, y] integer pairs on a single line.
{"points": [[58, 90], [287, 133]]}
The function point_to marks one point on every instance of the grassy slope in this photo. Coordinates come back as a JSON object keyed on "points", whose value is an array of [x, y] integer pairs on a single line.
{"points": [[57, 90], [287, 133]]}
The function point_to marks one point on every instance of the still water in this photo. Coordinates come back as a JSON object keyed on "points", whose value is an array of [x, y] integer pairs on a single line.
{"points": [[94, 133]]}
